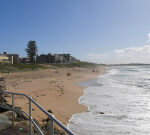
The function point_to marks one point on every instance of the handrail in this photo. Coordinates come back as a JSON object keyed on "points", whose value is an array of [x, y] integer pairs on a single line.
{"points": [[51, 117]]}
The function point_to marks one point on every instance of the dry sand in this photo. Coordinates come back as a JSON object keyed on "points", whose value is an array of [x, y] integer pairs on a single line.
{"points": [[52, 89]]}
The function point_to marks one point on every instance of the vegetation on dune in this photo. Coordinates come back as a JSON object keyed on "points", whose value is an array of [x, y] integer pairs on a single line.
{"points": [[20, 67], [29, 67], [83, 64], [75, 64]]}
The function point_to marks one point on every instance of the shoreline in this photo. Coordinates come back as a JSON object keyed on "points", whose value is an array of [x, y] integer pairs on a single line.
{"points": [[85, 84], [52, 89]]}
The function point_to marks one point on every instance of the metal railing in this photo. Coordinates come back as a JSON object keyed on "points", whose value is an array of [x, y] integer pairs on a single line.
{"points": [[52, 119]]}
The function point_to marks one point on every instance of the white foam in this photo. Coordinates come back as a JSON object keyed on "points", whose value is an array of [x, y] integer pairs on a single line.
{"points": [[124, 99]]}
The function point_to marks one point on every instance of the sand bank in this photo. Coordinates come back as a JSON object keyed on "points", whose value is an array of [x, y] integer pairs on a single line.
{"points": [[52, 89]]}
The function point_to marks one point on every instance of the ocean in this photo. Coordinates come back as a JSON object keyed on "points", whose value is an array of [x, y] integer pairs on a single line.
{"points": [[118, 103]]}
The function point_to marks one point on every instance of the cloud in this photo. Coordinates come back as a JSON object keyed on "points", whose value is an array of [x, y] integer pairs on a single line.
{"points": [[148, 35], [140, 54], [132, 51]]}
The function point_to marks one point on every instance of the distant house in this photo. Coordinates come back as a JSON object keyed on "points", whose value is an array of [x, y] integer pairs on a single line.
{"points": [[45, 58], [25, 60], [62, 58], [59, 58], [9, 58], [4, 59], [55, 58], [14, 58]]}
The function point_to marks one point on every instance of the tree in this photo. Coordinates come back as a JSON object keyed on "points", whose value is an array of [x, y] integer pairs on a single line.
{"points": [[31, 51]]}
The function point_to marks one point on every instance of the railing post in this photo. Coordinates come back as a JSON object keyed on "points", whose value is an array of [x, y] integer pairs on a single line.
{"points": [[50, 127], [30, 116], [13, 110]]}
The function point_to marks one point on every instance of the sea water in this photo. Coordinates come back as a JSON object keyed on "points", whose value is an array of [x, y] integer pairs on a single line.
{"points": [[119, 105]]}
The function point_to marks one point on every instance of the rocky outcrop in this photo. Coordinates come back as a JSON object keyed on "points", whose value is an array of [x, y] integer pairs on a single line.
{"points": [[2, 89], [5, 123], [2, 84]]}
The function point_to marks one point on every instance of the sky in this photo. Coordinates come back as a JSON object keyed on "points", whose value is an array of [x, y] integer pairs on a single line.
{"points": [[101, 31]]}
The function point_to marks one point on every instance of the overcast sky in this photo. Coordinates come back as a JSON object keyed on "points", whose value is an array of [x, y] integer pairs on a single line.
{"points": [[103, 31]]}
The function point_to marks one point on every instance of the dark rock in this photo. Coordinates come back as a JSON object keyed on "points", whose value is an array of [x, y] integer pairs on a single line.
{"points": [[50, 111], [2, 89], [5, 123]]}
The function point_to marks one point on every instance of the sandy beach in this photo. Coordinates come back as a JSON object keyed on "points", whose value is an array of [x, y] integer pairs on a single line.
{"points": [[52, 89]]}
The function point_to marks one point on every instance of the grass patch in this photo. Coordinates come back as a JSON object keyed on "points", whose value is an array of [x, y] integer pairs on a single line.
{"points": [[20, 67], [31, 67], [76, 64]]}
